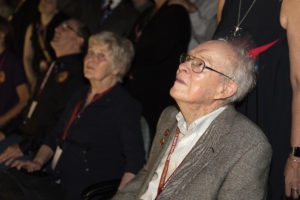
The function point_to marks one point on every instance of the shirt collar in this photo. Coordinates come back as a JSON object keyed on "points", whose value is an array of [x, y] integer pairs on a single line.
{"points": [[198, 123]]}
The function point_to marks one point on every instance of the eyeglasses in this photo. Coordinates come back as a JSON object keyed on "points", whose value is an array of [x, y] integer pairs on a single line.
{"points": [[197, 64], [67, 26]]}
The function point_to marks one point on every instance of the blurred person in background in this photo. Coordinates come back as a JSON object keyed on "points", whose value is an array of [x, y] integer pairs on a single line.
{"points": [[14, 89], [117, 16], [38, 52], [23, 135], [160, 35]]}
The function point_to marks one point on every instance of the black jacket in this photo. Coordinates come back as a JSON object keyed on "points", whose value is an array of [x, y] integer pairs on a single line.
{"points": [[102, 144], [65, 79]]}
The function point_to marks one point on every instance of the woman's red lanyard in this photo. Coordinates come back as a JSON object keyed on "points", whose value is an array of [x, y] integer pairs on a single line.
{"points": [[76, 113], [45, 79], [162, 182]]}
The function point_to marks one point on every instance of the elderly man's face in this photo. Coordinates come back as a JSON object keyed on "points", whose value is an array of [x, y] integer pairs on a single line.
{"points": [[206, 87], [98, 64]]}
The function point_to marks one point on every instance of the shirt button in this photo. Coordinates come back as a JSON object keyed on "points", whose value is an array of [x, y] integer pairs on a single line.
{"points": [[87, 169]]}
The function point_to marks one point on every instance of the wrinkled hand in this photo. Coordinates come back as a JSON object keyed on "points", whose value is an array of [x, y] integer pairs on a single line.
{"points": [[10, 154], [292, 176], [190, 7], [2, 136], [30, 166]]}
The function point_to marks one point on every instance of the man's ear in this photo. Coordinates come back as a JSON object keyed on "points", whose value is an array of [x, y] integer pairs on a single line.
{"points": [[226, 90], [80, 41]]}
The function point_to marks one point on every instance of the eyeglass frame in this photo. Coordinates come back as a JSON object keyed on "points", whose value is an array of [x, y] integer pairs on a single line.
{"points": [[67, 26], [183, 59]]}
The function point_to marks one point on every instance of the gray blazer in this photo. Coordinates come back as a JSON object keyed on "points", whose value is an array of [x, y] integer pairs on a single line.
{"points": [[231, 161]]}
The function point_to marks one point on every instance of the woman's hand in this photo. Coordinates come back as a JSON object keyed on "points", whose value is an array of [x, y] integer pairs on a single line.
{"points": [[30, 166], [10, 154], [292, 177]]}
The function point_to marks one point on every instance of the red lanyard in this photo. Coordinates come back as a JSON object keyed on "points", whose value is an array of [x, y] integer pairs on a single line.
{"points": [[76, 113], [2, 60], [162, 182], [45, 79]]}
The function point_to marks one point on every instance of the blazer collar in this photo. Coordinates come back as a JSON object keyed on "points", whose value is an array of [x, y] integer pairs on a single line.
{"points": [[204, 151]]}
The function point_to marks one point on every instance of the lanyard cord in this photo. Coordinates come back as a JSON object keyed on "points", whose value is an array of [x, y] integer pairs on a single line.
{"points": [[76, 113], [46, 79], [162, 182]]}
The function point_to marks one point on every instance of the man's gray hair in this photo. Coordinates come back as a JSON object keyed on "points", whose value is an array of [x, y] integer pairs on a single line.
{"points": [[121, 50], [242, 70]]}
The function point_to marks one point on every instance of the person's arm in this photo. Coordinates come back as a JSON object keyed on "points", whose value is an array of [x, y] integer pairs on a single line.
{"points": [[132, 142], [28, 57], [130, 191], [23, 94], [189, 6], [43, 156], [220, 9], [290, 20], [128, 176], [248, 177]]}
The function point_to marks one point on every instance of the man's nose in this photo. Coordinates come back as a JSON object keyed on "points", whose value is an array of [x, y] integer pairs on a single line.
{"points": [[185, 66]]}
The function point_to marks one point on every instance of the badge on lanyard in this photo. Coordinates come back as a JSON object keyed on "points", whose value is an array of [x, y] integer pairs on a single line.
{"points": [[43, 65], [56, 157], [2, 77], [31, 109], [62, 76]]}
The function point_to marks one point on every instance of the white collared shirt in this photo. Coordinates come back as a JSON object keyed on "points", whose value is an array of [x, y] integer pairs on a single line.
{"points": [[188, 137]]}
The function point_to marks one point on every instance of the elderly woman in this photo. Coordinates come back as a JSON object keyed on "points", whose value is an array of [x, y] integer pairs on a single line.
{"points": [[99, 135]]}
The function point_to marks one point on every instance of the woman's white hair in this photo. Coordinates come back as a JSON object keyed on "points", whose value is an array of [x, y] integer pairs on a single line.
{"points": [[121, 50]]}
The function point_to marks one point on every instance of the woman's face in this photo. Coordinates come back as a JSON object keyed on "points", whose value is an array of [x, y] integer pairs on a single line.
{"points": [[98, 64], [47, 6]]}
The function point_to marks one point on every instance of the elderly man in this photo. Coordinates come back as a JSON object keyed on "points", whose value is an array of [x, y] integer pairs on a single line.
{"points": [[63, 77], [206, 150]]}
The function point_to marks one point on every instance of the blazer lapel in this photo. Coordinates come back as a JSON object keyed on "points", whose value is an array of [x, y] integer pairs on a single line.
{"points": [[159, 149], [204, 151]]}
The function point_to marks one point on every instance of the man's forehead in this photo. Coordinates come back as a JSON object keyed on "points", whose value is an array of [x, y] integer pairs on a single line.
{"points": [[212, 45], [213, 49], [72, 23]]}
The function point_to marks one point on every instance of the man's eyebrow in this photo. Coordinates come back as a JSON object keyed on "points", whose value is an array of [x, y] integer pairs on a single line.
{"points": [[206, 58]]}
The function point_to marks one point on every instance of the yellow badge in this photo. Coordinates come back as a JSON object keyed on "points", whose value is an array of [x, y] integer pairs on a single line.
{"points": [[2, 76], [43, 65], [62, 76]]}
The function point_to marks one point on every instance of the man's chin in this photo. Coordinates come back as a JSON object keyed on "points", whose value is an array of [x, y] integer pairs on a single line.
{"points": [[173, 92]]}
